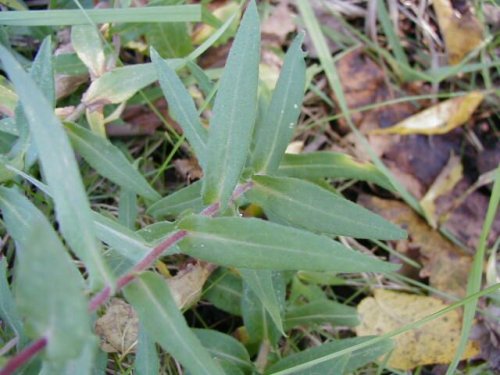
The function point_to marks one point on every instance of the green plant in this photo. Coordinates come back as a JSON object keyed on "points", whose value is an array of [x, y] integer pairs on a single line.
{"points": [[242, 156]]}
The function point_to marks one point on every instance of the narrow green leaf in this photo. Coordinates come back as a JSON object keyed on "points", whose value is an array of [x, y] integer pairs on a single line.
{"points": [[254, 243], [109, 161], [60, 170], [86, 41], [181, 106], [146, 358], [53, 17], [127, 208], [258, 323], [261, 283], [204, 82], [233, 113], [8, 309], [224, 290], [156, 232], [319, 312], [165, 324], [225, 348], [355, 360], [393, 40], [188, 198], [125, 241], [169, 39], [49, 288], [307, 205], [323, 164], [69, 64], [273, 134]]}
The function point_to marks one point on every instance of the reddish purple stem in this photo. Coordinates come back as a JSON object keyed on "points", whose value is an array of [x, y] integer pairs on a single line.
{"points": [[24, 356], [100, 298]]}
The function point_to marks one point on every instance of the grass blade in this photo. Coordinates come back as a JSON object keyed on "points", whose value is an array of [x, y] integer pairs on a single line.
{"points": [[253, 243], [181, 106], [8, 309], [274, 133], [165, 324], [49, 288], [234, 112], [475, 278], [319, 312], [328, 64], [54, 17], [61, 172], [307, 205], [109, 161], [355, 360]]}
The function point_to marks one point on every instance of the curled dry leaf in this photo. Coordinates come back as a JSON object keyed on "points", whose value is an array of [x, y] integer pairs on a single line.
{"points": [[445, 264], [444, 183], [438, 119], [461, 29], [434, 342], [118, 327], [187, 285]]}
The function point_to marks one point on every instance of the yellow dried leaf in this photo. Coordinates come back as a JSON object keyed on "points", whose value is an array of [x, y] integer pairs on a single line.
{"points": [[444, 183], [438, 119], [461, 30], [434, 342]]}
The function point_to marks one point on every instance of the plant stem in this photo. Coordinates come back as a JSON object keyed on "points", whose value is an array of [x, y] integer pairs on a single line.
{"points": [[24, 356], [101, 297]]}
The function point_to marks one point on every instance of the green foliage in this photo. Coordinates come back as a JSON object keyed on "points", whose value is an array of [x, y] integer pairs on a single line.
{"points": [[243, 159]]}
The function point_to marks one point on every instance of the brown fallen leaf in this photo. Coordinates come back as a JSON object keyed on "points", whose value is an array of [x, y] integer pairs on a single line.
{"points": [[279, 23], [434, 342], [450, 175], [445, 264], [438, 119], [118, 327], [461, 29]]}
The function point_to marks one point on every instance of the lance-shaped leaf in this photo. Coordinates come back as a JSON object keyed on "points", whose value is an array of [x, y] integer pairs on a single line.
{"points": [[124, 240], [49, 287], [355, 359], [225, 348], [323, 164], [165, 324], [309, 206], [188, 198], [87, 44], [273, 134], [61, 172], [261, 283], [254, 243], [234, 113], [181, 106], [109, 161], [8, 309], [146, 359]]}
